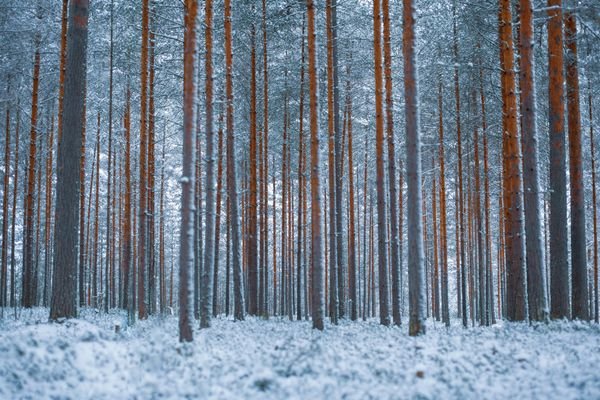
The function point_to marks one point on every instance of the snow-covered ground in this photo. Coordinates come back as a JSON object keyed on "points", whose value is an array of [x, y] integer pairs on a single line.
{"points": [[278, 359]]}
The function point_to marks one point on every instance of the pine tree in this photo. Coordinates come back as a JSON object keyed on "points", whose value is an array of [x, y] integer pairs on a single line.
{"points": [[64, 285]]}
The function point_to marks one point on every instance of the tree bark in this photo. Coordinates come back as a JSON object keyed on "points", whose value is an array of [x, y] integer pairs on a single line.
{"points": [[535, 258], [64, 287], [579, 278], [143, 181], [207, 271], [384, 312], [516, 303], [186, 251], [238, 290], [315, 181], [416, 268], [559, 270]]}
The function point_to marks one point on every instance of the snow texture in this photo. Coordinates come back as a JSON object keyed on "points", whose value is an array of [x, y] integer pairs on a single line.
{"points": [[278, 359]]}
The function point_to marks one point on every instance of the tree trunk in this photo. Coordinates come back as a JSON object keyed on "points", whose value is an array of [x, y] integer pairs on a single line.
{"points": [[186, 251], [462, 269], [559, 269], [64, 287], [516, 305], [126, 243], [62, 67], [331, 130], [384, 312], [536, 268], [315, 184], [110, 165], [207, 271], [143, 168], [389, 116], [416, 271], [579, 281], [13, 302], [238, 291], [443, 215], [215, 308], [352, 258], [4, 283], [594, 204], [265, 176], [252, 249], [28, 295]]}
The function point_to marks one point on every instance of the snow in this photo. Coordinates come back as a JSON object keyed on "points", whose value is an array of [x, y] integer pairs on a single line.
{"points": [[277, 359]]}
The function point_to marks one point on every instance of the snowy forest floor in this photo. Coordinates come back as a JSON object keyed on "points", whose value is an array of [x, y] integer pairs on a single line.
{"points": [[278, 359]]}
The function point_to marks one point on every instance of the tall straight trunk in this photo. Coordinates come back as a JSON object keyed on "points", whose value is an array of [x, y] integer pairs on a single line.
{"points": [[416, 267], [488, 236], [143, 168], [536, 266], [38, 226], [274, 241], [186, 250], [443, 214], [161, 240], [64, 285], [28, 296], [579, 278], [126, 264], [110, 164], [227, 259], [13, 287], [265, 176], [198, 242], [82, 237], [113, 236], [88, 231], [461, 219], [594, 204], [62, 66], [215, 308], [352, 257], [5, 188], [384, 312], [559, 267], [238, 291], [339, 209], [315, 181], [209, 251], [301, 182], [481, 250], [284, 197], [48, 216], [331, 131], [94, 263], [435, 292], [364, 240], [389, 116], [516, 291], [151, 254], [252, 250]]}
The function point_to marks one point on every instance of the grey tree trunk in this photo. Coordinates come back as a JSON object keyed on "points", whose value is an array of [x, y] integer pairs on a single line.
{"points": [[315, 181], [186, 235], [534, 248], [64, 287], [416, 267], [339, 209]]}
